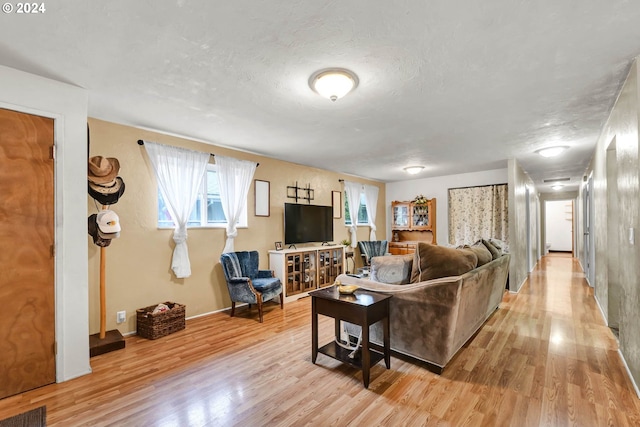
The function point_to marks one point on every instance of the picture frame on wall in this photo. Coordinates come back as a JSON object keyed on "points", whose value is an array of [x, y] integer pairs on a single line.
{"points": [[336, 203], [262, 197]]}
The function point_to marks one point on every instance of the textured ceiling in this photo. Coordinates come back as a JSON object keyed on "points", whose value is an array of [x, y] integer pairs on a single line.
{"points": [[456, 86]]}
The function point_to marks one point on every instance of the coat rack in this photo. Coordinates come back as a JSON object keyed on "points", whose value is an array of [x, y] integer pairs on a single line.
{"points": [[106, 194]]}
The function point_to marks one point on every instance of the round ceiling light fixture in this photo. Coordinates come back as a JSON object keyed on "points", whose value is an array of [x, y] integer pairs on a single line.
{"points": [[333, 83], [552, 151], [412, 170], [557, 187]]}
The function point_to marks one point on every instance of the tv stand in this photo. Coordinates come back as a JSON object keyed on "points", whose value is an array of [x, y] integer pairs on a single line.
{"points": [[306, 269]]}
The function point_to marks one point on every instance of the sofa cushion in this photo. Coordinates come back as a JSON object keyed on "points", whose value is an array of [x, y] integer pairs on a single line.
{"points": [[481, 251], [495, 253], [392, 269], [501, 246], [432, 262]]}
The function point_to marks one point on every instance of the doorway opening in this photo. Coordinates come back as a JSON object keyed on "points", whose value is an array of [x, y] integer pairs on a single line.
{"points": [[558, 226]]}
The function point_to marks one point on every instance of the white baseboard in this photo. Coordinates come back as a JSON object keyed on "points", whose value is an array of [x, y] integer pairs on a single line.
{"points": [[604, 317], [214, 312], [128, 334], [524, 282], [624, 362]]}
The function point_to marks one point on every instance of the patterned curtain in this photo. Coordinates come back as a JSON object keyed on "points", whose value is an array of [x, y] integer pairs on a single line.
{"points": [[478, 212]]}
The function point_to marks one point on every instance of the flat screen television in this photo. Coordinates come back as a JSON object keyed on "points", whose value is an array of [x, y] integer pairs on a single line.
{"points": [[307, 223]]}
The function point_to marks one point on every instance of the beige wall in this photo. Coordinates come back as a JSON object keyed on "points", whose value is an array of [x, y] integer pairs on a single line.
{"points": [[519, 181], [621, 127], [138, 270]]}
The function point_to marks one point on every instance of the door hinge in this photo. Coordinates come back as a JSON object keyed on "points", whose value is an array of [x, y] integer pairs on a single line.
{"points": [[52, 152]]}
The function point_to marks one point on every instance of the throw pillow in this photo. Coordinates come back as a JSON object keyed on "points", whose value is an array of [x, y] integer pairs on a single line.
{"points": [[495, 253], [392, 269], [432, 262], [500, 245], [481, 251]]}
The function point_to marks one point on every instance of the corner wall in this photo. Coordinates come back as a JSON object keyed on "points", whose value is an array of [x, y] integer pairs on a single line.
{"points": [[67, 105], [138, 266], [519, 182]]}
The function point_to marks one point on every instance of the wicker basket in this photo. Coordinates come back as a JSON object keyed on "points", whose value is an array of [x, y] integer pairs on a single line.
{"points": [[152, 326]]}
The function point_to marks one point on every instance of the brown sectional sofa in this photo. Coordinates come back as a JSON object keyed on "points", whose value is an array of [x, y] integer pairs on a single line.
{"points": [[431, 320]]}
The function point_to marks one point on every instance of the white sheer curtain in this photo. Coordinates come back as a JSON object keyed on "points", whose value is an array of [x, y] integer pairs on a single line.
{"points": [[371, 201], [179, 173], [235, 178], [352, 191]]}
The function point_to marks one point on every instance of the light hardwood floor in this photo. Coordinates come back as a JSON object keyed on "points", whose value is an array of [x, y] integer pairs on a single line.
{"points": [[545, 358]]}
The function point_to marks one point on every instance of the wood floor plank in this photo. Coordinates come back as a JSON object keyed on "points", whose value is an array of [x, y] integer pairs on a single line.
{"points": [[545, 357]]}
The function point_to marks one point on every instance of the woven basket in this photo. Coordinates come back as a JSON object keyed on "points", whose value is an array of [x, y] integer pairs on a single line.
{"points": [[153, 326]]}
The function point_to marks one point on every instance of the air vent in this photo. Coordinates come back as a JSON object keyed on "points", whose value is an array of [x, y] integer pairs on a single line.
{"points": [[556, 180]]}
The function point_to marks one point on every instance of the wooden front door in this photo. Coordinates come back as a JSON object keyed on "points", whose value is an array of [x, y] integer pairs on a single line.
{"points": [[27, 306]]}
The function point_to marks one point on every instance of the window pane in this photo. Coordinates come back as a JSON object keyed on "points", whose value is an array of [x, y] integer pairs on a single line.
{"points": [[215, 214], [363, 217], [196, 214], [164, 219]]}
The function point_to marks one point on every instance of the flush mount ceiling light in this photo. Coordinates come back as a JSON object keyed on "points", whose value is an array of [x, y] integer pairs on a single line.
{"points": [[412, 170], [552, 151], [557, 187], [333, 83]]}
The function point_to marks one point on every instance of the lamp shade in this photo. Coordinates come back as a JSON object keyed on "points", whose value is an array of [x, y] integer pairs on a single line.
{"points": [[333, 83]]}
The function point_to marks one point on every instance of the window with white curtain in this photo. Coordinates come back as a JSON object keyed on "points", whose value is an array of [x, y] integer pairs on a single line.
{"points": [[363, 216], [207, 211]]}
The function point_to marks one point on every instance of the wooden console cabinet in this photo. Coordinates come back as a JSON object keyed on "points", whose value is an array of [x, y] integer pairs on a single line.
{"points": [[412, 223], [306, 269]]}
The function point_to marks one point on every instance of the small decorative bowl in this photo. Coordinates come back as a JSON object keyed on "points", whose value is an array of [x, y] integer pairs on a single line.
{"points": [[347, 289]]}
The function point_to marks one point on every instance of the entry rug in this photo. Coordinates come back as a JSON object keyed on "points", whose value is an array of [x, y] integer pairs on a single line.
{"points": [[33, 418]]}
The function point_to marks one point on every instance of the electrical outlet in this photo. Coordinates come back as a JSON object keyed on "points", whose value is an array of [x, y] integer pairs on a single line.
{"points": [[121, 316]]}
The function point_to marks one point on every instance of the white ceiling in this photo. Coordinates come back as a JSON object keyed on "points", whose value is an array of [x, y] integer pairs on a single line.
{"points": [[457, 86]]}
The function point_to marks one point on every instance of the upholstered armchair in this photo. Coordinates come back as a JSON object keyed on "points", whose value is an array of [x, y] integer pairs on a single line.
{"points": [[248, 284], [371, 248]]}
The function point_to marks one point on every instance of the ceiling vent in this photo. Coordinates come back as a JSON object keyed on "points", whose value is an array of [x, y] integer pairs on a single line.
{"points": [[556, 179]]}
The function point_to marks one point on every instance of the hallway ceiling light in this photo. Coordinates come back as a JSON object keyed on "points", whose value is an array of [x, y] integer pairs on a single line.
{"points": [[333, 83], [552, 151], [557, 187], [412, 170]]}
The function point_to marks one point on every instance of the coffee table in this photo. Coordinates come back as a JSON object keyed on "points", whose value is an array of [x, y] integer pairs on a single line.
{"points": [[362, 308]]}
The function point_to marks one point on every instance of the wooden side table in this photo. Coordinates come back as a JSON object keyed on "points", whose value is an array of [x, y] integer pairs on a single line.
{"points": [[362, 308]]}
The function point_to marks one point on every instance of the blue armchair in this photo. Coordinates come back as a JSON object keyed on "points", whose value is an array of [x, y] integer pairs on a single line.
{"points": [[248, 284], [371, 248]]}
